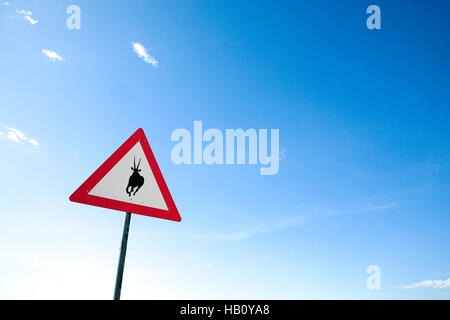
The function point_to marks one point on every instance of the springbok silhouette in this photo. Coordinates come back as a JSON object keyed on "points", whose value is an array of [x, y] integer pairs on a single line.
{"points": [[136, 180]]}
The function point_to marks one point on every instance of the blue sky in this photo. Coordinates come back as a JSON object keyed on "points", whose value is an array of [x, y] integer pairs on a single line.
{"points": [[363, 117]]}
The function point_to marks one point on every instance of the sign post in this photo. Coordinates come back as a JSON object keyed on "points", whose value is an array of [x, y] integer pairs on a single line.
{"points": [[142, 190], [123, 252]]}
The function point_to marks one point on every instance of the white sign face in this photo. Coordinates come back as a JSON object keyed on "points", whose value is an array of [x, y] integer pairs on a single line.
{"points": [[131, 180]]}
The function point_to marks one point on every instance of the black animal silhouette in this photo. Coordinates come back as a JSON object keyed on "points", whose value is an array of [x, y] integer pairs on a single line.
{"points": [[136, 180]]}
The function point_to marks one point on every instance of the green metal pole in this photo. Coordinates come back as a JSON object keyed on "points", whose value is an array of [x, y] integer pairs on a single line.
{"points": [[123, 252]]}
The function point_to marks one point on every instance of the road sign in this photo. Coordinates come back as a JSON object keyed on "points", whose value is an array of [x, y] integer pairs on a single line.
{"points": [[130, 181]]}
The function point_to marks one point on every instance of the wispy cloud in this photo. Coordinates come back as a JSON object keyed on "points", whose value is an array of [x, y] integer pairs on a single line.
{"points": [[319, 212], [53, 56], [4, 4], [31, 20], [435, 284], [283, 223], [27, 16], [33, 142], [18, 136], [24, 12], [143, 54], [310, 214]]}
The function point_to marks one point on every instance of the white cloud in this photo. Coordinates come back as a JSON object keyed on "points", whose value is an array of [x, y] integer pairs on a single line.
{"points": [[31, 20], [435, 284], [5, 4], [33, 142], [52, 55], [209, 265], [143, 54], [24, 12], [19, 137], [13, 137], [27, 16], [16, 135]]}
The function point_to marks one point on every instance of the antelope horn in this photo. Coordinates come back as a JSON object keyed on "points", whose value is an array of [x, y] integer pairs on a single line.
{"points": [[134, 163], [139, 163]]}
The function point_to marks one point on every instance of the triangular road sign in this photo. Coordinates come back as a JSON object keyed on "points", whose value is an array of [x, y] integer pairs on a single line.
{"points": [[130, 181]]}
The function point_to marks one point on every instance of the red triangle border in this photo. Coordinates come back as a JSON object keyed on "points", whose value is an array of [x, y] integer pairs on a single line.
{"points": [[81, 195]]}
